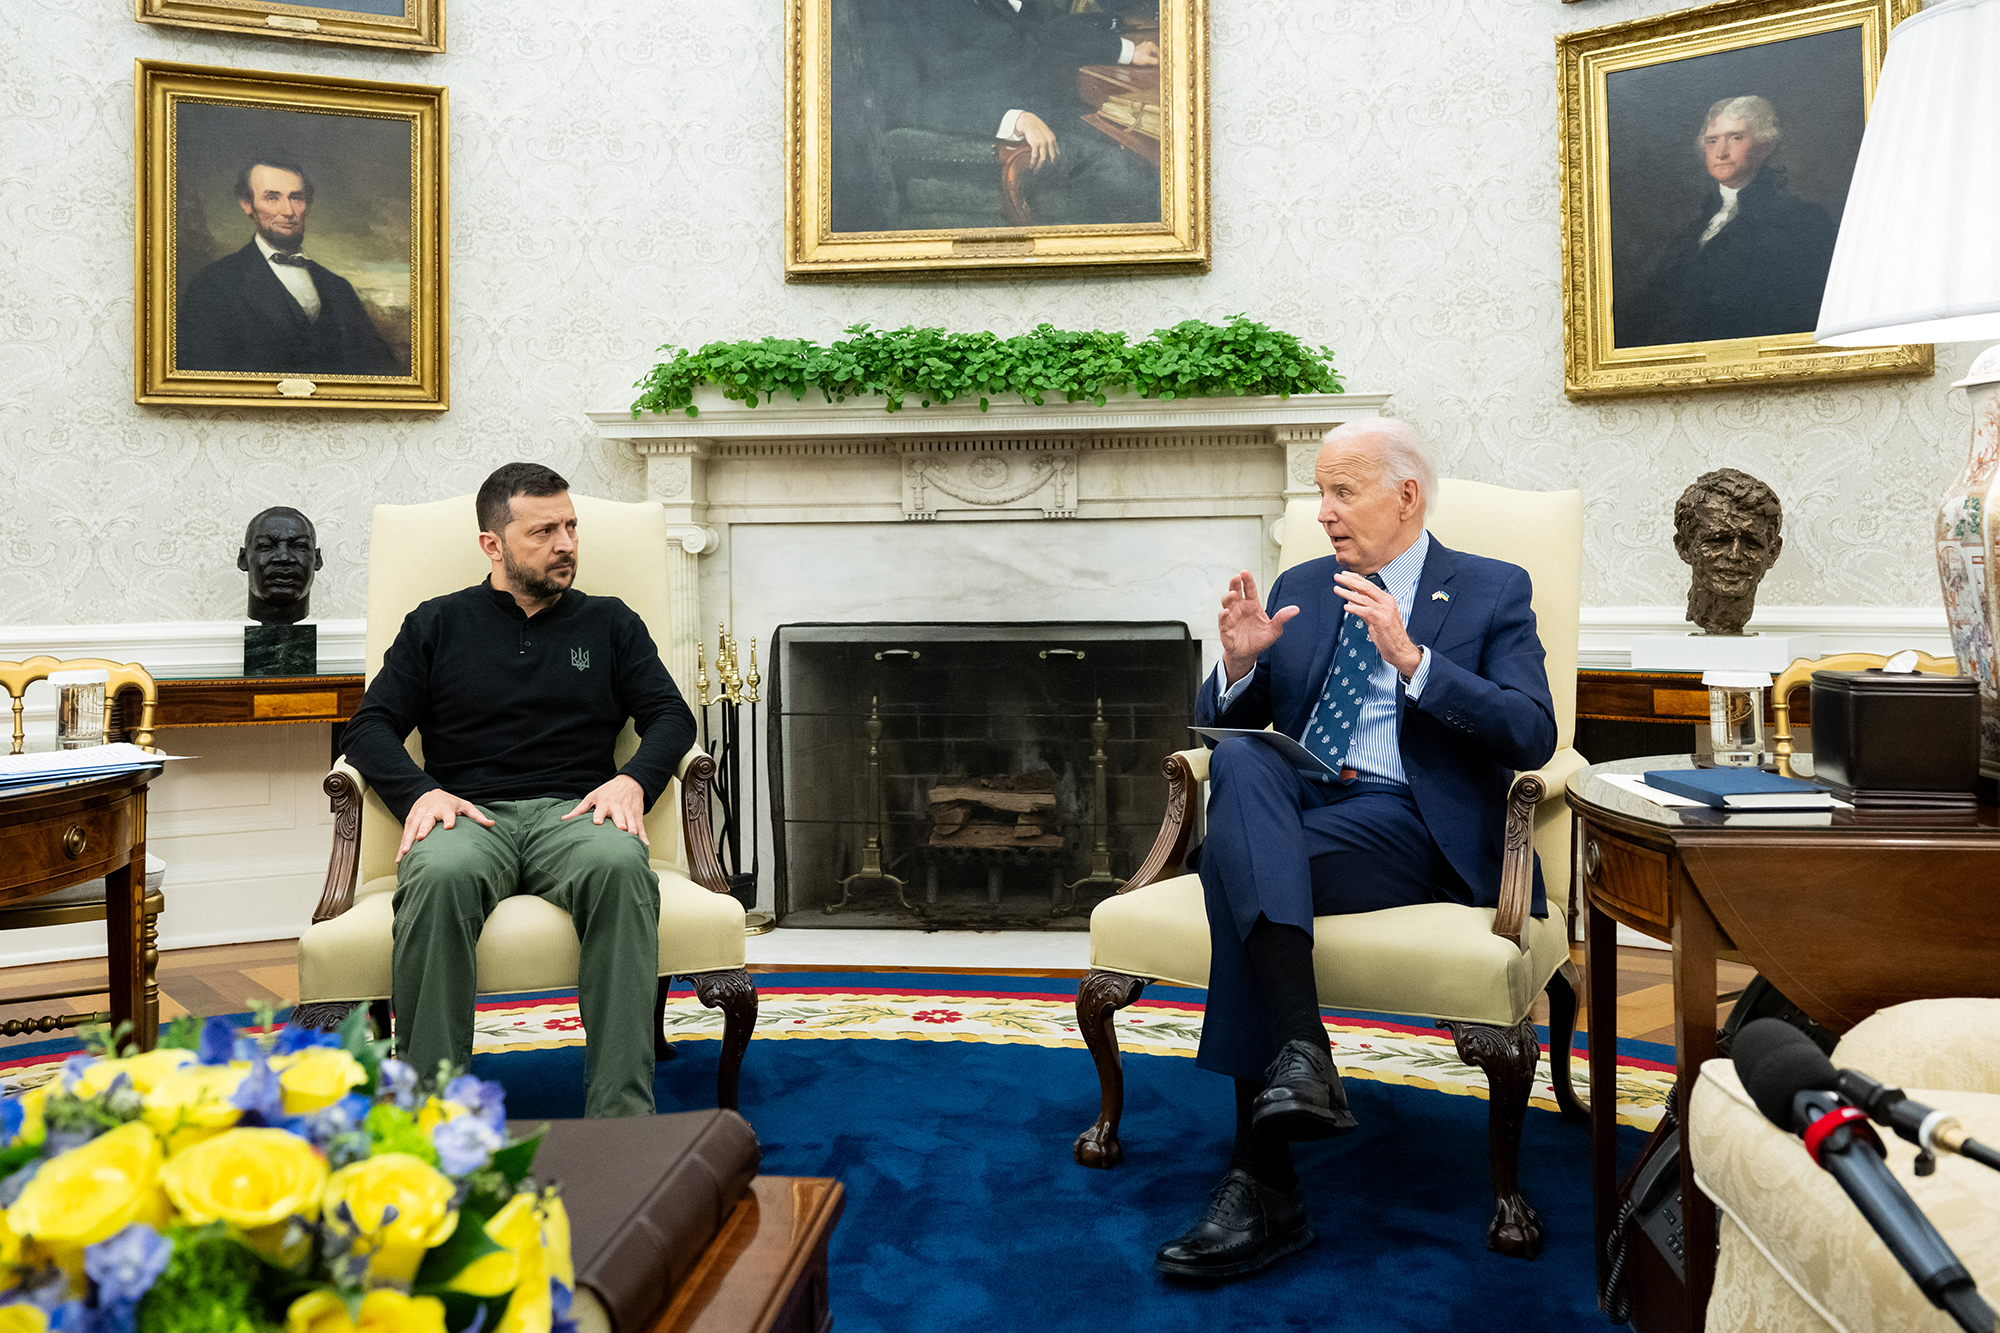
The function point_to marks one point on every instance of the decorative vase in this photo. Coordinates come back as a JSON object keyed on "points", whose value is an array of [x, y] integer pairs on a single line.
{"points": [[1968, 532]]}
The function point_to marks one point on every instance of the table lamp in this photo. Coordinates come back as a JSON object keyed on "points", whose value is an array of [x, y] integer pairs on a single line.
{"points": [[1918, 262]]}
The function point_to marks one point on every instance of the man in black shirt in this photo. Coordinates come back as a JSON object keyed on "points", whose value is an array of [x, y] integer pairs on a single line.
{"points": [[520, 687]]}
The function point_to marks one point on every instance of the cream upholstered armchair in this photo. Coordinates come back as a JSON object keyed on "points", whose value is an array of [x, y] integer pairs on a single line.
{"points": [[1476, 970], [422, 551], [1795, 1254]]}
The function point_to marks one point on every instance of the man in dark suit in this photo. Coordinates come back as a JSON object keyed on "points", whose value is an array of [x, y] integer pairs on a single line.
{"points": [[1753, 263], [1007, 69], [1415, 672], [270, 310]]}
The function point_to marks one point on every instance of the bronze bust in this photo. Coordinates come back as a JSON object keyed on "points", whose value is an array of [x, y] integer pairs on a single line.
{"points": [[1726, 525], [281, 553]]}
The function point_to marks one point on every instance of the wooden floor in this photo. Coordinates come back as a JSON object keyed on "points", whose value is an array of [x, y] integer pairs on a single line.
{"points": [[234, 977]]}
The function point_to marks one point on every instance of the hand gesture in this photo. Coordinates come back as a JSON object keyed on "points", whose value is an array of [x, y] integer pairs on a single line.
{"points": [[1042, 146], [1145, 53], [623, 800], [1244, 629], [1378, 611], [436, 807]]}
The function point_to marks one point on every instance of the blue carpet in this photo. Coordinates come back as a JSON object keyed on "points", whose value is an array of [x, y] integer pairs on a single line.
{"points": [[965, 1209]]}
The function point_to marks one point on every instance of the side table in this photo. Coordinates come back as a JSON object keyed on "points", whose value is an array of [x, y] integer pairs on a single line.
{"points": [[1871, 909], [765, 1271], [55, 836]]}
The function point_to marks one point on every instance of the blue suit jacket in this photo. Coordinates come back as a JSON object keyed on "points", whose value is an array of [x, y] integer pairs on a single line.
{"points": [[1485, 711]]}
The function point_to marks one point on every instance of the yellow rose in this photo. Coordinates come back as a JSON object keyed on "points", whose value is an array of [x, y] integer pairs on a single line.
{"points": [[93, 1191], [515, 1229], [248, 1178], [23, 1317], [191, 1103], [435, 1112], [33, 1130], [555, 1237], [421, 1195], [316, 1078], [145, 1070], [382, 1311], [529, 1309]]}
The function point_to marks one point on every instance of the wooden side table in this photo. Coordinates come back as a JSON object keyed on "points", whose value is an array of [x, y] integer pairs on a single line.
{"points": [[765, 1271], [56, 836], [1875, 908]]}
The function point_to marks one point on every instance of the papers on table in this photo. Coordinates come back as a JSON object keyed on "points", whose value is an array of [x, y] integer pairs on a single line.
{"points": [[1295, 754], [1636, 785], [92, 761]]}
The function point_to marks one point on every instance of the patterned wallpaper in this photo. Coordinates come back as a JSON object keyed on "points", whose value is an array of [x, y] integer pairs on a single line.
{"points": [[1385, 181]]}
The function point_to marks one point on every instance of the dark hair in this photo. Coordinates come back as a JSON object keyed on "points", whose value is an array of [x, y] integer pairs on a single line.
{"points": [[283, 162], [250, 529], [506, 483]]}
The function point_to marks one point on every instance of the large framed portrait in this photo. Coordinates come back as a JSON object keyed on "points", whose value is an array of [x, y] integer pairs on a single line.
{"points": [[407, 25], [291, 240], [1706, 158], [995, 137]]}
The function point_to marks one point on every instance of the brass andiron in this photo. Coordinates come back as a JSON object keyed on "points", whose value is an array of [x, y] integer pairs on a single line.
{"points": [[733, 691], [1100, 826], [871, 871]]}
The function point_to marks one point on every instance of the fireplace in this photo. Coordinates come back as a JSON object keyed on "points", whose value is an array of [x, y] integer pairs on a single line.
{"points": [[969, 775]]}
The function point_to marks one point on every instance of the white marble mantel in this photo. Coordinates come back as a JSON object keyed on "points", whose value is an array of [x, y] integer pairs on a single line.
{"points": [[1174, 496]]}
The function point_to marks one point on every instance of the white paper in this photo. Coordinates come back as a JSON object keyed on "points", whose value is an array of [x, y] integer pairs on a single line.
{"points": [[1298, 755], [1633, 783], [89, 761]]}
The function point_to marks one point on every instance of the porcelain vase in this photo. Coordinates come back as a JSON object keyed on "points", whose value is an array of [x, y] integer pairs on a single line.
{"points": [[1968, 532]]}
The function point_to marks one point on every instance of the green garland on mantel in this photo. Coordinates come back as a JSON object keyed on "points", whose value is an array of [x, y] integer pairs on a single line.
{"points": [[1193, 359]]}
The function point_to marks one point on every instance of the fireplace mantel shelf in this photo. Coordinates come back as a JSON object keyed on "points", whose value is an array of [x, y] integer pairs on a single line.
{"points": [[814, 418]]}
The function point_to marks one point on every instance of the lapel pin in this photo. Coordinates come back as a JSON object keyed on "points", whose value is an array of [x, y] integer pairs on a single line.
{"points": [[1440, 597]]}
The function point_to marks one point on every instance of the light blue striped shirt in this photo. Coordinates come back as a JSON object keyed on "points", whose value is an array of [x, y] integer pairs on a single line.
{"points": [[1373, 753]]}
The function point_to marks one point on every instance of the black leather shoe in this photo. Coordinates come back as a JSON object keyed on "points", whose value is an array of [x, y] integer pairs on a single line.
{"points": [[1248, 1225], [1302, 1098]]}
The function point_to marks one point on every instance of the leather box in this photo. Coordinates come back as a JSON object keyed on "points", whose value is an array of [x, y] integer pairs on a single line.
{"points": [[645, 1195], [1896, 739]]}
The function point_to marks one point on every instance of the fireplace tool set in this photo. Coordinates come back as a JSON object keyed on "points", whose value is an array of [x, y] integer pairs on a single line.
{"points": [[737, 694]]}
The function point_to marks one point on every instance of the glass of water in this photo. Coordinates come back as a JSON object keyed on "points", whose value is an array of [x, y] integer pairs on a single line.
{"points": [[1736, 716], [79, 707]]}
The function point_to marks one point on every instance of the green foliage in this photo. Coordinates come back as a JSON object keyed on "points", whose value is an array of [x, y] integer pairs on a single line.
{"points": [[514, 1161], [467, 1242], [210, 1285], [1191, 359], [183, 1034], [392, 1129], [357, 1038]]}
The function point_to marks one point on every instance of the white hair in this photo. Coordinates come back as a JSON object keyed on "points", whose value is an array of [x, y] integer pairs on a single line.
{"points": [[1400, 446], [1757, 114]]}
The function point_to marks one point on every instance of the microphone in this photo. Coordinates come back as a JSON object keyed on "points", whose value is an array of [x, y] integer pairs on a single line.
{"points": [[1797, 1089], [1932, 1131]]}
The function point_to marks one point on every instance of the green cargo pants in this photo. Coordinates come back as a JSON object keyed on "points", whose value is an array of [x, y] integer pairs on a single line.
{"points": [[450, 882]]}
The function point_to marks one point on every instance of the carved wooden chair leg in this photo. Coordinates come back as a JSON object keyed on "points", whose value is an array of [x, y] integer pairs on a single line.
{"points": [[1098, 1001], [736, 995], [1507, 1056], [149, 957], [662, 1048], [322, 1016], [1564, 987], [381, 1015]]}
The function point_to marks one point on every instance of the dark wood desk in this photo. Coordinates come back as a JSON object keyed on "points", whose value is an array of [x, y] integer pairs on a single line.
{"points": [[53, 837], [1873, 909], [765, 1271], [256, 701], [1659, 696]]}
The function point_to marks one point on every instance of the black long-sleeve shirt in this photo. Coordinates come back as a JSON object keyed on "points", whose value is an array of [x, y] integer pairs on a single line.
{"points": [[513, 707]]}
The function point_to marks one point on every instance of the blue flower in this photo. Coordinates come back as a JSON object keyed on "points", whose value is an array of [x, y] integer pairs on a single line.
{"points": [[218, 1042], [483, 1097], [11, 1116], [399, 1081], [559, 1303], [72, 1317], [72, 1070], [125, 1266], [294, 1038], [259, 1094], [464, 1145]]}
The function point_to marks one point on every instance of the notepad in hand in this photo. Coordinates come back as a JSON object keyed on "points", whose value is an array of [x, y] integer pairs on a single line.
{"points": [[1740, 789]]}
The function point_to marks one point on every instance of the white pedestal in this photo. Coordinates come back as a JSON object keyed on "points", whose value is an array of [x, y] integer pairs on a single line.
{"points": [[1705, 652]]}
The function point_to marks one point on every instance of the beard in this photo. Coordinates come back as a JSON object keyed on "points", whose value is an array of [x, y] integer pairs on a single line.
{"points": [[537, 584]]}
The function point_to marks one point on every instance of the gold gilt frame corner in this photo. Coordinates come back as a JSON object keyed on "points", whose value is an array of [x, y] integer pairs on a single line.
{"points": [[159, 88], [1593, 367], [816, 253], [420, 29]]}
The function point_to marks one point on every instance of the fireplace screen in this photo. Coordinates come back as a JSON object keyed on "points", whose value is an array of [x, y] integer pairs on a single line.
{"points": [[970, 775]]}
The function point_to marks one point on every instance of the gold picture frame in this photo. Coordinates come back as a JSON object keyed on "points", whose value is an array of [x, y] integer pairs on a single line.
{"points": [[418, 27], [1647, 306], [351, 310], [891, 173]]}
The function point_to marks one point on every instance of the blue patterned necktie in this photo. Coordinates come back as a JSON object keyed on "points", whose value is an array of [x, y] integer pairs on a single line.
{"points": [[1354, 659]]}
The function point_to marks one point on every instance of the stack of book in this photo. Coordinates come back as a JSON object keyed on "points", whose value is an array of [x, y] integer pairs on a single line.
{"points": [[1748, 791], [1133, 112], [90, 761]]}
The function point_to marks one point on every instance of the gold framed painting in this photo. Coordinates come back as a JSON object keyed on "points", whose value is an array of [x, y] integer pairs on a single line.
{"points": [[1706, 157], [290, 240], [407, 25], [995, 137]]}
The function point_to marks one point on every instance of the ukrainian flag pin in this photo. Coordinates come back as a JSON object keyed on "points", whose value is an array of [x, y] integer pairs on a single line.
{"points": [[1440, 596]]}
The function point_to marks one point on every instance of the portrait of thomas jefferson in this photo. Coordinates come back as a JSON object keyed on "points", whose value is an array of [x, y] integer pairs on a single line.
{"points": [[1752, 261], [271, 308]]}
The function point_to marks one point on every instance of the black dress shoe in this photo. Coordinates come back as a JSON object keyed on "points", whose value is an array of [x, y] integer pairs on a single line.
{"points": [[1248, 1225], [1302, 1098]]}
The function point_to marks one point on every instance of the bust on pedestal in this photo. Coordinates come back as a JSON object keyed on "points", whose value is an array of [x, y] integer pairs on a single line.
{"points": [[281, 554]]}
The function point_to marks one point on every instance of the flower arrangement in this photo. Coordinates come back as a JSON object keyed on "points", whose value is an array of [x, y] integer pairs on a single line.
{"points": [[272, 1181]]}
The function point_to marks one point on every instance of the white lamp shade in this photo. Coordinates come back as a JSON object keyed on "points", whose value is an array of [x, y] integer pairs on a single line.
{"points": [[1918, 259]]}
